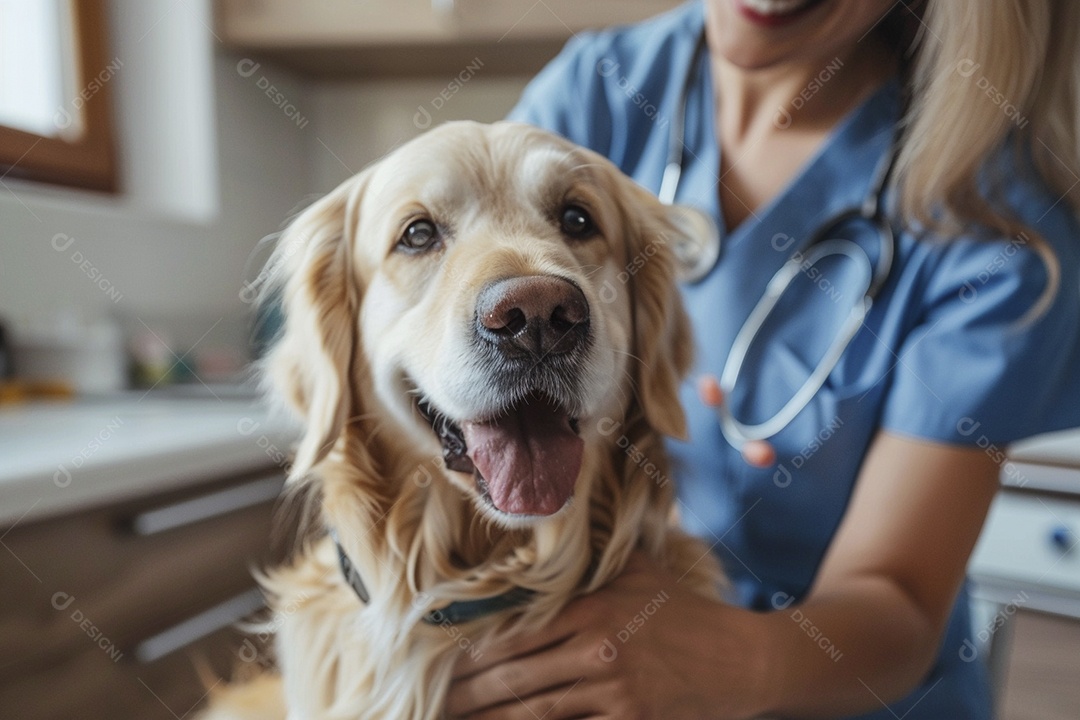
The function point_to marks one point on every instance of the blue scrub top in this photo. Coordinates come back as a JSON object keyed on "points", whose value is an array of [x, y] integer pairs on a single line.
{"points": [[941, 355]]}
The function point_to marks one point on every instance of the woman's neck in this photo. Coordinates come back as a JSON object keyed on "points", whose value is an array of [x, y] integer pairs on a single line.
{"points": [[770, 121], [806, 94]]}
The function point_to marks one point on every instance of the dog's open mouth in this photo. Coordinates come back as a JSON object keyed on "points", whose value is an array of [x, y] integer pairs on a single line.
{"points": [[525, 461]]}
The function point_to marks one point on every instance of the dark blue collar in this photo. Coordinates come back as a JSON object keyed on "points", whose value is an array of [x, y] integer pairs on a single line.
{"points": [[454, 613]]}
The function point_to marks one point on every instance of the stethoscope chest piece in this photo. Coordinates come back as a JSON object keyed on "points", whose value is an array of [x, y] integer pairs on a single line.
{"points": [[697, 244]]}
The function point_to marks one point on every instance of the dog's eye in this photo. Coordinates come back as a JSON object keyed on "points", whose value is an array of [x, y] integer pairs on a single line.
{"points": [[419, 235], [577, 223]]}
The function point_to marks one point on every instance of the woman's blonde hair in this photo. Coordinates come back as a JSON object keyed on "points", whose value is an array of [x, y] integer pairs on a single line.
{"points": [[984, 74]]}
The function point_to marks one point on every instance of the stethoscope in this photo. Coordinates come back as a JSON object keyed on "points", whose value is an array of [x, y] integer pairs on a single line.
{"points": [[698, 257]]}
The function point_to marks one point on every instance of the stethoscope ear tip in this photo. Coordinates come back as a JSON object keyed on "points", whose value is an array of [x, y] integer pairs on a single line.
{"points": [[709, 391], [758, 453]]}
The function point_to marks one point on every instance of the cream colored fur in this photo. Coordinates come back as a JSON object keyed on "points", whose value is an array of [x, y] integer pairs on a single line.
{"points": [[365, 324]]}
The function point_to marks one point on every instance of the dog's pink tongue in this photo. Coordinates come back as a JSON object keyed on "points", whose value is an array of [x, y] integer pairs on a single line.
{"points": [[530, 459]]}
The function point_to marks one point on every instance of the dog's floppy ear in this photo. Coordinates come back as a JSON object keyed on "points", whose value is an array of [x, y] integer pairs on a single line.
{"points": [[313, 361], [663, 342]]}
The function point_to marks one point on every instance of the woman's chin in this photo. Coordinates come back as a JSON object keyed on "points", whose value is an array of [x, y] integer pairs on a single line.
{"points": [[748, 37], [750, 55], [749, 47]]}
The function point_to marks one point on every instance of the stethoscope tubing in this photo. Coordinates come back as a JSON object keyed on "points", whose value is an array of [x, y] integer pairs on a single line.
{"points": [[872, 277], [741, 432]]}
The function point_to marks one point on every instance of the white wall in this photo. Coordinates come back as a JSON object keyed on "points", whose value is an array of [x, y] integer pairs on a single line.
{"points": [[217, 151], [209, 165], [355, 123]]}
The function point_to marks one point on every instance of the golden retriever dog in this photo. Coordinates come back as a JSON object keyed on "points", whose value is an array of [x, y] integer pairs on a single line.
{"points": [[484, 340]]}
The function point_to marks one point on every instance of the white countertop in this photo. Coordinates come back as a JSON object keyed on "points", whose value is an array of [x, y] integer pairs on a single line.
{"points": [[63, 456], [1049, 463], [1060, 448]]}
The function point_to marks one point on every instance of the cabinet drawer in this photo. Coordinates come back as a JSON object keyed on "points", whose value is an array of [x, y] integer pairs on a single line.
{"points": [[1031, 539], [91, 580], [91, 685]]}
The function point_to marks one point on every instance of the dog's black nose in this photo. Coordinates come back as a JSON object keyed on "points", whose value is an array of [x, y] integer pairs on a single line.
{"points": [[533, 316]]}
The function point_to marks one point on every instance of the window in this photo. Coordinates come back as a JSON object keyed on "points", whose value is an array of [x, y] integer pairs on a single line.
{"points": [[55, 112]]}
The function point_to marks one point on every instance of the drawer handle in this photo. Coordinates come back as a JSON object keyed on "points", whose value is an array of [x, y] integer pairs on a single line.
{"points": [[195, 628], [1062, 538], [204, 507]]}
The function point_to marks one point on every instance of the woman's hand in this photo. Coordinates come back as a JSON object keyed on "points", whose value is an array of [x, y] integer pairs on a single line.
{"points": [[756, 453], [645, 647], [642, 647]]}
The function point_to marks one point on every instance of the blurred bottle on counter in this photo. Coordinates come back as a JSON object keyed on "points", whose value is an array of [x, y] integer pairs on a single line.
{"points": [[86, 354], [152, 362]]}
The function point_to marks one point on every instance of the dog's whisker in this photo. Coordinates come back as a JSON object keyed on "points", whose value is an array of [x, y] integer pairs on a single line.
{"points": [[589, 270], [583, 166]]}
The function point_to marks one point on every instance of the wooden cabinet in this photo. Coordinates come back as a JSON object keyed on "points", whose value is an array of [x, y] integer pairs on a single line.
{"points": [[294, 23], [285, 23], [1031, 539], [1041, 671], [393, 37], [522, 20], [1026, 573], [106, 613]]}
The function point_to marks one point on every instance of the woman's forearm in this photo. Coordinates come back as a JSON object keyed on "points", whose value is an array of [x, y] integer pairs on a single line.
{"points": [[844, 651]]}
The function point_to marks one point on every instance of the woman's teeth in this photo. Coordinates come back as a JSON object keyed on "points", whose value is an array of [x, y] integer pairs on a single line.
{"points": [[775, 7]]}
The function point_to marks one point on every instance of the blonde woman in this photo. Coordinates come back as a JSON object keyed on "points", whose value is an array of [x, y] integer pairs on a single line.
{"points": [[847, 529]]}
